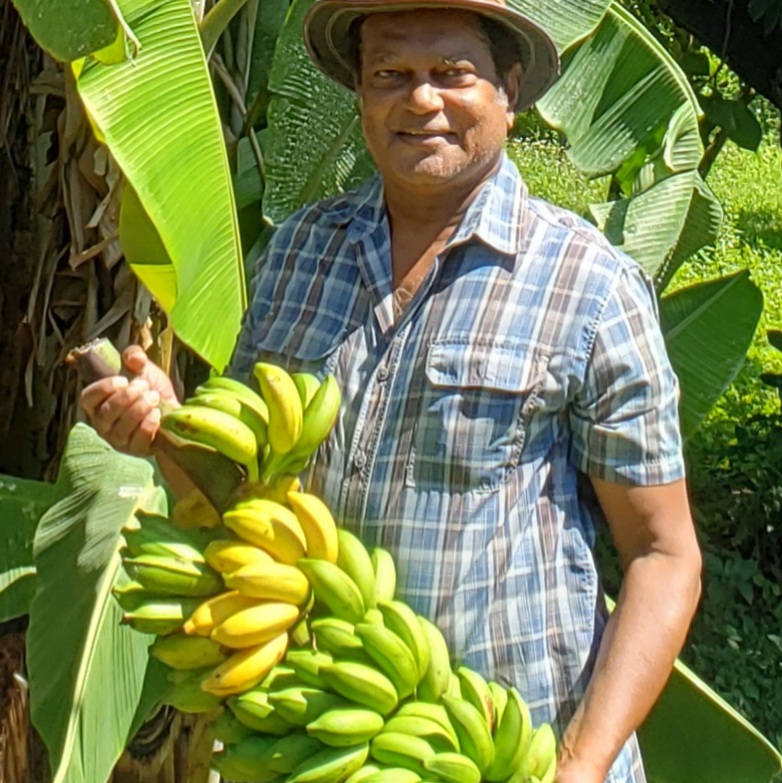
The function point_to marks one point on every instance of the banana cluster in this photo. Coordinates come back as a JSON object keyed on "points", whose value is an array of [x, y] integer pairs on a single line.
{"points": [[269, 434], [286, 630]]}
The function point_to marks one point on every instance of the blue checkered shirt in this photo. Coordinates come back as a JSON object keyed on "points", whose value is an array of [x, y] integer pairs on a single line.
{"points": [[530, 357]]}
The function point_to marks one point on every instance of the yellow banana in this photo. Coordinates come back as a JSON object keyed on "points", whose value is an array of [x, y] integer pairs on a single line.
{"points": [[255, 625], [194, 510], [318, 524], [269, 525], [334, 589], [318, 419], [187, 652], [331, 765], [211, 613], [215, 429], [227, 402], [385, 574], [437, 677], [270, 582], [246, 396], [227, 556], [245, 668], [285, 410], [278, 488], [355, 561]]}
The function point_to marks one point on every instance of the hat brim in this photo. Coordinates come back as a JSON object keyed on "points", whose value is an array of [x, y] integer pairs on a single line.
{"points": [[327, 32]]}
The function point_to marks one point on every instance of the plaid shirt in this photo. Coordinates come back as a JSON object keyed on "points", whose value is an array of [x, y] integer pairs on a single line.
{"points": [[530, 356]]}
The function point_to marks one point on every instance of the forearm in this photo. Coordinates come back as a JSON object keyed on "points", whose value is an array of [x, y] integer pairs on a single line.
{"points": [[643, 637]]}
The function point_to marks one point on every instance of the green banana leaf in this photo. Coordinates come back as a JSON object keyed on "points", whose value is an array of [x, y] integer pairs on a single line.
{"points": [[708, 328], [566, 21], [159, 117], [22, 503], [628, 111], [314, 145], [86, 670], [693, 735], [78, 28]]}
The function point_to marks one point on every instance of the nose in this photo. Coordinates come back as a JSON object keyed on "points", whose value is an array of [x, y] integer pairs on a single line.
{"points": [[424, 96]]}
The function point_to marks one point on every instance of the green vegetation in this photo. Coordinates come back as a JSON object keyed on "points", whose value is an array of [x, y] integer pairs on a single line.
{"points": [[735, 458]]}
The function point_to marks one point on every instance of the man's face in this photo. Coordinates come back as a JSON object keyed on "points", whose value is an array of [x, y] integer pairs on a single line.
{"points": [[431, 108]]}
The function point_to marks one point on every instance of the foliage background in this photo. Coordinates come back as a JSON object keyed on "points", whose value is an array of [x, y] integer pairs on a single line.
{"points": [[735, 458]]}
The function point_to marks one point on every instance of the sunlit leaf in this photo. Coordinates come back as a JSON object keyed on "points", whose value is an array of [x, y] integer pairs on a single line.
{"points": [[158, 115], [566, 21], [708, 329], [86, 670]]}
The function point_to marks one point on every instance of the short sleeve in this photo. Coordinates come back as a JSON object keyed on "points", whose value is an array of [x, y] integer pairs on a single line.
{"points": [[624, 418]]}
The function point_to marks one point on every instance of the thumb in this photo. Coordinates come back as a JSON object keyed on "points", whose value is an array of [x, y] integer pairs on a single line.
{"points": [[135, 359]]}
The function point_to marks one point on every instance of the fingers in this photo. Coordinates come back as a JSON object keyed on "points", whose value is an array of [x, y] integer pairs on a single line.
{"points": [[138, 364], [125, 414]]}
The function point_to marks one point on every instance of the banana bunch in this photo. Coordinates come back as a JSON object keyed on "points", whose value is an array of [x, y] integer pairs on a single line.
{"points": [[271, 433]]}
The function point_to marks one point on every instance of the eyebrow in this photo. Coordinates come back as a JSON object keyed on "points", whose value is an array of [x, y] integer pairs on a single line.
{"points": [[382, 58]]}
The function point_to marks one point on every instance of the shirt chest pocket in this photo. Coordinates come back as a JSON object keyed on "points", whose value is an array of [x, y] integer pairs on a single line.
{"points": [[475, 402]]}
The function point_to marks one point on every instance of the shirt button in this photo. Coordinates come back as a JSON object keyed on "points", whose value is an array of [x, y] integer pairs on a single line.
{"points": [[360, 460], [382, 373]]}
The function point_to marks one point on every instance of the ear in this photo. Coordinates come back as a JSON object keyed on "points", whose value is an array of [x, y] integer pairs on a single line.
{"points": [[513, 83]]}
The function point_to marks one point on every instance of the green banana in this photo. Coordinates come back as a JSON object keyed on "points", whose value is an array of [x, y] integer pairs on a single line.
{"points": [[334, 589], [288, 752], [302, 705], [475, 740], [187, 652], [499, 697], [361, 684], [331, 765], [474, 688], [362, 773], [392, 775], [318, 420], [255, 711], [432, 712], [281, 676], [306, 385], [541, 753], [255, 417], [338, 638], [454, 686], [170, 576], [161, 615], [453, 768], [437, 677], [186, 695], [400, 750], [550, 773], [246, 396], [511, 738], [392, 656], [306, 664], [285, 411], [355, 561], [228, 729], [131, 595], [154, 535], [439, 738], [218, 430], [345, 726], [385, 574], [402, 620], [246, 761]]}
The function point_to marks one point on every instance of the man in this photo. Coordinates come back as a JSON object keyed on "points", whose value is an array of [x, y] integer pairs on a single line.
{"points": [[504, 379]]}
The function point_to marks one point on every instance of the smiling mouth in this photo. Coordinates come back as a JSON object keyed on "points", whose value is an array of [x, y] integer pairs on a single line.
{"points": [[425, 136]]}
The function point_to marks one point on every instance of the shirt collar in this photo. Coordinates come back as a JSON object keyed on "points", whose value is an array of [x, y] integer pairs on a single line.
{"points": [[494, 217]]}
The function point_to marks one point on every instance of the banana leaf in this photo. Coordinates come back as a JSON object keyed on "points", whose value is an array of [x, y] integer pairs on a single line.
{"points": [[628, 111], [86, 670], [314, 145], [158, 115], [693, 735], [566, 21], [22, 503], [708, 328]]}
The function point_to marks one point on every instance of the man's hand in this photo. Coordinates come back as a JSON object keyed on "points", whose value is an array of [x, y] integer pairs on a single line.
{"points": [[127, 413], [655, 538]]}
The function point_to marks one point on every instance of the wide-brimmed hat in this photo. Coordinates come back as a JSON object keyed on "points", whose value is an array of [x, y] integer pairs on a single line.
{"points": [[327, 33]]}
